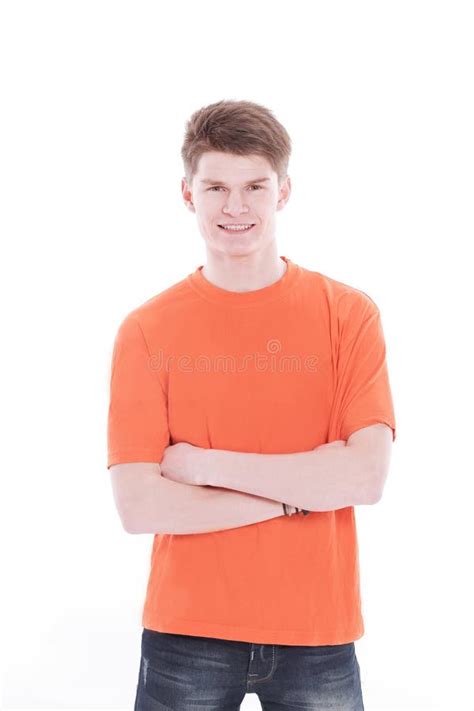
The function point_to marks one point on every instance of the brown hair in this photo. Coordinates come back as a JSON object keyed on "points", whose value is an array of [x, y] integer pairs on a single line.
{"points": [[238, 127]]}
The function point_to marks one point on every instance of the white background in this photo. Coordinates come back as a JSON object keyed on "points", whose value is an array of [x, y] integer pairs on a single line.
{"points": [[378, 100]]}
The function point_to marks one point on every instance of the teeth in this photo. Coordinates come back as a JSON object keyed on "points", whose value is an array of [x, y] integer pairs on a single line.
{"points": [[236, 227]]}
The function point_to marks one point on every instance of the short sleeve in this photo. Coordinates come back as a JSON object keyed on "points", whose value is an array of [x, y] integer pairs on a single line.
{"points": [[137, 426], [363, 394]]}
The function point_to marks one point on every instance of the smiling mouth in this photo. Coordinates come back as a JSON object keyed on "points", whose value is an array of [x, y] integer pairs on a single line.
{"points": [[236, 230]]}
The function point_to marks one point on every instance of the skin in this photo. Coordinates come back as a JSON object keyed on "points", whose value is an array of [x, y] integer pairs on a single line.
{"points": [[334, 475], [238, 262]]}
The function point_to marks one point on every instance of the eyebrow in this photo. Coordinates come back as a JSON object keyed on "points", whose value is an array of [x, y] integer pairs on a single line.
{"points": [[219, 182]]}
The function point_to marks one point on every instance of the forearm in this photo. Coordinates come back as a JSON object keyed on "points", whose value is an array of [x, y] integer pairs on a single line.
{"points": [[332, 476], [167, 506]]}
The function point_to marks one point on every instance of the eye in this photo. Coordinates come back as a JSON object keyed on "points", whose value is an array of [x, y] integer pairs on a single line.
{"points": [[218, 187]]}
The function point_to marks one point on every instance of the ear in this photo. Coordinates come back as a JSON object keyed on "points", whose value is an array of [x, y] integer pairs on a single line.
{"points": [[187, 195], [284, 193]]}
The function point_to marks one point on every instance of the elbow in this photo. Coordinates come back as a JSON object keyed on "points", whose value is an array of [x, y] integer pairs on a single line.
{"points": [[129, 528], [127, 517], [374, 498], [135, 524], [377, 482], [132, 516], [126, 511], [127, 524], [376, 491], [142, 522]]}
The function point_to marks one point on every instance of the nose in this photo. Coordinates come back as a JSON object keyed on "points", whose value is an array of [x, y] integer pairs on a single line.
{"points": [[235, 205]]}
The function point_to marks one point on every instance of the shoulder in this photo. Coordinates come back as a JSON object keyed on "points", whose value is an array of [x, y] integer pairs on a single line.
{"points": [[344, 300], [160, 310]]}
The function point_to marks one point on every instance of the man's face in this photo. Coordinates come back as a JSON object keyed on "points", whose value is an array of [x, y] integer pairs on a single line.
{"points": [[235, 190]]}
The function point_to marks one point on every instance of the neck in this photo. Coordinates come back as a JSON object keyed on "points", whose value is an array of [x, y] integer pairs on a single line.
{"points": [[247, 272]]}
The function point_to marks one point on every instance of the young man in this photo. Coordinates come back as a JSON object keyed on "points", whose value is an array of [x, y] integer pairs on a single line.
{"points": [[252, 385]]}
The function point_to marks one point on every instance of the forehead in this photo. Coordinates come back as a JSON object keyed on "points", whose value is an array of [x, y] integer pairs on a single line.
{"points": [[227, 167]]}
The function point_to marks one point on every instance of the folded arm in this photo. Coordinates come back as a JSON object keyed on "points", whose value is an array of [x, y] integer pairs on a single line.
{"points": [[149, 503], [331, 476]]}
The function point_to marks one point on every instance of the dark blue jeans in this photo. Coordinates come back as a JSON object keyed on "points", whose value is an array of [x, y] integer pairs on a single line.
{"points": [[184, 672]]}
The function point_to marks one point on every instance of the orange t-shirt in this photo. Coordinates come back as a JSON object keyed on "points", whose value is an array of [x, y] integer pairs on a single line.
{"points": [[281, 369]]}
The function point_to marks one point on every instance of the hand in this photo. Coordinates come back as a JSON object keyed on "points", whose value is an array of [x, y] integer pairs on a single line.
{"points": [[185, 463]]}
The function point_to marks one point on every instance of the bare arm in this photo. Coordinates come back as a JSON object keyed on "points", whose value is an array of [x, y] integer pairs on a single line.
{"points": [[331, 476], [147, 502]]}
